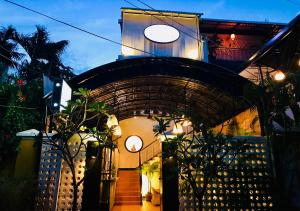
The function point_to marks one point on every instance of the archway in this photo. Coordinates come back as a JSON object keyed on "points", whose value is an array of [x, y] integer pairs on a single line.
{"points": [[161, 86]]}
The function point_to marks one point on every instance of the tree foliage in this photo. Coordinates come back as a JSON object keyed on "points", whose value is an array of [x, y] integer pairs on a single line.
{"points": [[84, 119]]}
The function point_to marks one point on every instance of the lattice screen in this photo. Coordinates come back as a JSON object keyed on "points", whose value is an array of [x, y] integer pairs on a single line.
{"points": [[248, 189], [65, 195], [49, 172]]}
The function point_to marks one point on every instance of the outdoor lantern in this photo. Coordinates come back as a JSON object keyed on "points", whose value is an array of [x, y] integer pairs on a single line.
{"points": [[117, 130], [193, 54], [186, 123], [126, 51], [112, 121], [232, 36], [177, 129], [279, 75]]}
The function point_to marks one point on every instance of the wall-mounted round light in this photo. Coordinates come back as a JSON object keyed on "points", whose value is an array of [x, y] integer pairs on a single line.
{"points": [[279, 75], [161, 33], [133, 144]]}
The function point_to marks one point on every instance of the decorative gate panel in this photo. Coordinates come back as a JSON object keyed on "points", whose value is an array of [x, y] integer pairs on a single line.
{"points": [[49, 173], [247, 189], [66, 191]]}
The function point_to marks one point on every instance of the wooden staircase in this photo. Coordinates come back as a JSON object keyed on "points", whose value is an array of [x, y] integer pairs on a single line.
{"points": [[128, 188]]}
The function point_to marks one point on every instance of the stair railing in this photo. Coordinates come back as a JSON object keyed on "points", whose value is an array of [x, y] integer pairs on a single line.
{"points": [[150, 151]]}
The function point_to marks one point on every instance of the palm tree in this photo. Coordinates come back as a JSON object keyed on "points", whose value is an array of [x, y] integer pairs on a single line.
{"points": [[45, 56], [8, 51]]}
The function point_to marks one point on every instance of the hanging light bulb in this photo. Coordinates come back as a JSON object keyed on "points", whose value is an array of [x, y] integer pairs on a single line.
{"points": [[279, 75], [177, 129], [117, 130], [186, 123], [232, 36], [112, 121]]}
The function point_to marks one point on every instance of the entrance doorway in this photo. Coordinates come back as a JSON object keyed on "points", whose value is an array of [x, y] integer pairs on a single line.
{"points": [[138, 185]]}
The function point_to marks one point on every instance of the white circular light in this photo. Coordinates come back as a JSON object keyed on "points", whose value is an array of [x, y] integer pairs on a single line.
{"points": [[57, 84], [161, 33], [55, 104], [279, 75], [133, 143]]}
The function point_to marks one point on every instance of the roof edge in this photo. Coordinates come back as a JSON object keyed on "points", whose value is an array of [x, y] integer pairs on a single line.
{"points": [[161, 11], [269, 45]]}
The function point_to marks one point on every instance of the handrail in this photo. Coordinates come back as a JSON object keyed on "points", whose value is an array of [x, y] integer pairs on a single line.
{"points": [[140, 174], [148, 145], [150, 151]]}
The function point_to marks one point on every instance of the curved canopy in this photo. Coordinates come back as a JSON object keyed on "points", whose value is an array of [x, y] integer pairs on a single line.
{"points": [[159, 85]]}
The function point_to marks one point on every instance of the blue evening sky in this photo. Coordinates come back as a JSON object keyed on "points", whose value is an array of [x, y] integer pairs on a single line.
{"points": [[101, 17]]}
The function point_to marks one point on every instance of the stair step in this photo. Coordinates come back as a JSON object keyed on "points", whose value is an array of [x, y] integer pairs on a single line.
{"points": [[128, 188], [128, 182], [127, 193], [122, 189], [128, 198], [127, 202], [128, 179]]}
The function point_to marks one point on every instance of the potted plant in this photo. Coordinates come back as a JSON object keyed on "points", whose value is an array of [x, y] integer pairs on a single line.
{"points": [[149, 170]]}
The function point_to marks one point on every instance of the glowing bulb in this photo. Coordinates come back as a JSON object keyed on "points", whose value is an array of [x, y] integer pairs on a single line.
{"points": [[193, 54], [186, 123], [117, 131], [55, 104], [279, 75], [126, 51], [112, 121], [232, 36], [57, 84], [177, 129]]}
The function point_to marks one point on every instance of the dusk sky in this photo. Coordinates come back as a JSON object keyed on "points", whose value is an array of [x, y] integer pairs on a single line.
{"points": [[101, 17]]}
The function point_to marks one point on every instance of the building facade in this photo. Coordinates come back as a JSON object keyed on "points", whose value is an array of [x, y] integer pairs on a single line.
{"points": [[171, 61]]}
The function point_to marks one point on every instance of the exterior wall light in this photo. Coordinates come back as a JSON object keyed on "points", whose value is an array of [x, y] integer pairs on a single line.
{"points": [[177, 129], [279, 75], [55, 104], [126, 51], [193, 54], [57, 84], [117, 130], [232, 36], [112, 121]]}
